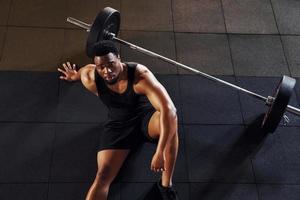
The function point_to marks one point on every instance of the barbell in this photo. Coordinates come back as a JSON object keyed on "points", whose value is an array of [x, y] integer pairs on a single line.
{"points": [[106, 27]]}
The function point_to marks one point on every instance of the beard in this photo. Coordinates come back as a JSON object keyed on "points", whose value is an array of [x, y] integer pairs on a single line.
{"points": [[112, 81]]}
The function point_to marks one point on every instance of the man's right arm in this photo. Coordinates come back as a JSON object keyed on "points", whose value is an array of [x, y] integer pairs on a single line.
{"points": [[84, 74]]}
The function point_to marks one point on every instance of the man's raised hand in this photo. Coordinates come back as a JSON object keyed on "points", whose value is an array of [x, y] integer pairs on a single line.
{"points": [[70, 73]]}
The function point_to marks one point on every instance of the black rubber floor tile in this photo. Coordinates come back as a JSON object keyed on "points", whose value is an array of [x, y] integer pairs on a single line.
{"points": [[2, 35], [24, 191], [149, 191], [116, 4], [77, 104], [278, 159], [297, 89], [114, 192], [208, 102], [292, 50], [287, 15], [251, 16], [218, 153], [64, 191], [74, 48], [147, 15], [213, 191], [38, 13], [25, 154], [84, 10], [28, 96], [171, 84], [137, 191], [4, 11], [137, 166], [264, 86], [290, 140], [32, 49], [198, 16], [205, 52], [159, 42], [75, 152], [279, 192], [258, 55]]}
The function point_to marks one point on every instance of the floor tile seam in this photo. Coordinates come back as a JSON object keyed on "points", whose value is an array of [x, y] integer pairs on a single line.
{"points": [[177, 68], [23, 183], [186, 155], [51, 161], [186, 164], [159, 74], [211, 33], [62, 56], [255, 179], [222, 183], [50, 122], [55, 129], [9, 12], [175, 41], [158, 31], [5, 32], [285, 56], [3, 44], [297, 95], [258, 183], [232, 62], [274, 15], [283, 147], [225, 75], [150, 182], [40, 27], [281, 41], [100, 123], [240, 125]]}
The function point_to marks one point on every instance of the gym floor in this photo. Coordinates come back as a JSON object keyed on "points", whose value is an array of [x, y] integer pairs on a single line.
{"points": [[49, 129]]}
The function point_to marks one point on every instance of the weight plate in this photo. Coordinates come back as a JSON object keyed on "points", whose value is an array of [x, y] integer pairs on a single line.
{"points": [[278, 106], [108, 20]]}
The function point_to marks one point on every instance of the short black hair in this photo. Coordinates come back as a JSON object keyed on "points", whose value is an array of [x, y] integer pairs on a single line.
{"points": [[105, 47]]}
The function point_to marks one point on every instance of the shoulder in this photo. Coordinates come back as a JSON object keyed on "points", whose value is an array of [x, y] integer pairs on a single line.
{"points": [[142, 73], [144, 79], [87, 72]]}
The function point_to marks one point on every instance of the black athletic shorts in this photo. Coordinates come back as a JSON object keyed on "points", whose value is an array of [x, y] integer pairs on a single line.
{"points": [[128, 135]]}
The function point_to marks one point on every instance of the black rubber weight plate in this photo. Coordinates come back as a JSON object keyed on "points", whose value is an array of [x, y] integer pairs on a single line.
{"points": [[276, 111], [107, 20]]}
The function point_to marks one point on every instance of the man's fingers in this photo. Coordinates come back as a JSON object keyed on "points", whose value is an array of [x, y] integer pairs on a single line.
{"points": [[62, 71], [74, 66], [65, 66], [69, 65]]}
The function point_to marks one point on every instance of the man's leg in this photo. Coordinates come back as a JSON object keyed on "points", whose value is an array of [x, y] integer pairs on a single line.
{"points": [[109, 163], [170, 150]]}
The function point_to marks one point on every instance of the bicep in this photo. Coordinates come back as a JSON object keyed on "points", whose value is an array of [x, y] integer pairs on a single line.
{"points": [[156, 93], [88, 80]]}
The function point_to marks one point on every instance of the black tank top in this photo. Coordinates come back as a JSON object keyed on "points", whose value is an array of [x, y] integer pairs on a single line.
{"points": [[126, 107]]}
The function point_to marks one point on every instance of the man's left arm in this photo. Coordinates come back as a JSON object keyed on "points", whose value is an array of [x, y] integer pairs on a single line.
{"points": [[162, 102]]}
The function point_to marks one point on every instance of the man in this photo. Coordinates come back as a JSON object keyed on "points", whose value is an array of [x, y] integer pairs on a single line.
{"points": [[139, 109]]}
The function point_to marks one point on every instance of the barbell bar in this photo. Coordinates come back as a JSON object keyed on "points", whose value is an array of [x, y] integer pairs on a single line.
{"points": [[106, 27]]}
